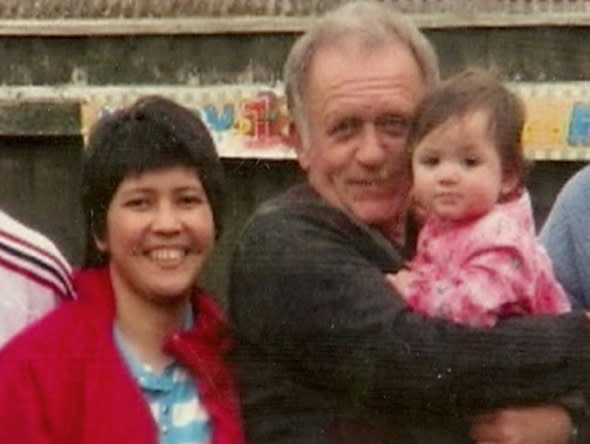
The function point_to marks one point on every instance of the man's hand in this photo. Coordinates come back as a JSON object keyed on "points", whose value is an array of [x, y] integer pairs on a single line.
{"points": [[548, 424]]}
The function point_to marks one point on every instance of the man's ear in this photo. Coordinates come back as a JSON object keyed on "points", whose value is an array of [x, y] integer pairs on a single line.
{"points": [[302, 151]]}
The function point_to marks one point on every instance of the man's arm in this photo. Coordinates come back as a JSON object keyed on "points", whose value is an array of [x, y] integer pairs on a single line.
{"points": [[567, 238], [305, 294]]}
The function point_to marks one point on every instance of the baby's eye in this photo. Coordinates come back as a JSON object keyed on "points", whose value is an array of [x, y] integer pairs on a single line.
{"points": [[470, 161], [429, 161]]}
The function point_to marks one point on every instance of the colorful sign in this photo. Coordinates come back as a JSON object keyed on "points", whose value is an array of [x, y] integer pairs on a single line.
{"points": [[244, 122], [252, 121]]}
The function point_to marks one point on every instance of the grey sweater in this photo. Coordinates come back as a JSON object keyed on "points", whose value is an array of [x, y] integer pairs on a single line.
{"points": [[328, 354]]}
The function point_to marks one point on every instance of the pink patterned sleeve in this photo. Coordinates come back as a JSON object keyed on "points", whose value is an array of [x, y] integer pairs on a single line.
{"points": [[488, 285], [477, 272]]}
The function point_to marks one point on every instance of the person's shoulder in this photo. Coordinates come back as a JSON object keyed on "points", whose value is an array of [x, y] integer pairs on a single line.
{"points": [[61, 329], [576, 190], [297, 198], [301, 204], [13, 229], [297, 217], [285, 211], [582, 175], [18, 236], [33, 256]]}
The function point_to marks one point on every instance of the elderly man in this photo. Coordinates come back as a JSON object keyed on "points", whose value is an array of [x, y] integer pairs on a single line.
{"points": [[328, 354]]}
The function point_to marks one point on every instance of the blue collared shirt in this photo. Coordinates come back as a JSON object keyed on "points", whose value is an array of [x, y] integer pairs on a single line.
{"points": [[172, 396]]}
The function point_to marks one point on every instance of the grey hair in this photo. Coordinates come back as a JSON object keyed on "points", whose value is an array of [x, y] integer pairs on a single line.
{"points": [[372, 23]]}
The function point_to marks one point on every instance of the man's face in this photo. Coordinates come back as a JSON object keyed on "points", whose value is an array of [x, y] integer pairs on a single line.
{"points": [[358, 103]]}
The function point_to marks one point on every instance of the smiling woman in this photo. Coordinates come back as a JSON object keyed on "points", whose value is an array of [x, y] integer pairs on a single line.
{"points": [[159, 231], [143, 350]]}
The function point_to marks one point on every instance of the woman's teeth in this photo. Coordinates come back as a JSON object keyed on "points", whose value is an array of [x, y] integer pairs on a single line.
{"points": [[166, 255]]}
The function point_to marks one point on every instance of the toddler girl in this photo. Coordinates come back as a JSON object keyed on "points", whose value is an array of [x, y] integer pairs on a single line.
{"points": [[477, 256]]}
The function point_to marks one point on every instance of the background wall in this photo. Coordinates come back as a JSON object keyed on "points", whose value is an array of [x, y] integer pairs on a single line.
{"points": [[200, 43]]}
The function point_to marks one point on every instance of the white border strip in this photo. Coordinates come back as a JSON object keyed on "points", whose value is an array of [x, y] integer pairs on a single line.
{"points": [[268, 24]]}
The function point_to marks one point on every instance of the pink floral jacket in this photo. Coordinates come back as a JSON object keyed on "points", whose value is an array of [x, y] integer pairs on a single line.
{"points": [[476, 271]]}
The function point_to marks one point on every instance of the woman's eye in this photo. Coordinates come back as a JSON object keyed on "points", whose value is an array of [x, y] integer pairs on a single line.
{"points": [[190, 200], [138, 203]]}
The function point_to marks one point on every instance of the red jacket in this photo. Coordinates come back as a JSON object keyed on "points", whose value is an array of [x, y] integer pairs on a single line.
{"points": [[64, 381]]}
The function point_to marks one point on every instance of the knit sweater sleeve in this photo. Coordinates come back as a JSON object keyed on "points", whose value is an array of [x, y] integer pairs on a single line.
{"points": [[304, 293], [567, 238]]}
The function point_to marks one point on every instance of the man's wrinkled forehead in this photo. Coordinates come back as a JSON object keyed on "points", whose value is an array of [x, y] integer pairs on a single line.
{"points": [[352, 50]]}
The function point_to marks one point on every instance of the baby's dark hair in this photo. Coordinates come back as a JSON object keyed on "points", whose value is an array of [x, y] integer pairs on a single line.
{"points": [[469, 91], [152, 134]]}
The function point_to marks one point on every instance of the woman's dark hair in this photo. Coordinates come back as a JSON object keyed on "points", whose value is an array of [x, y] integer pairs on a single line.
{"points": [[152, 134]]}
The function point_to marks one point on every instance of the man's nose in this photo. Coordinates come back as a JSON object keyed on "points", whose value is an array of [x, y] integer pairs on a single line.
{"points": [[371, 151]]}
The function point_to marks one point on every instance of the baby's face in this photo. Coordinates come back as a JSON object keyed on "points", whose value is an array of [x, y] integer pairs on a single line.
{"points": [[457, 169]]}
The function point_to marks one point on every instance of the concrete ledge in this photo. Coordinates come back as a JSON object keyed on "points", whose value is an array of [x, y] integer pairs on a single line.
{"points": [[269, 24], [251, 120], [40, 119], [74, 9]]}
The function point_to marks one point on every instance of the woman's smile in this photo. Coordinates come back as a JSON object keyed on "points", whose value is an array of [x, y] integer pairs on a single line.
{"points": [[159, 234]]}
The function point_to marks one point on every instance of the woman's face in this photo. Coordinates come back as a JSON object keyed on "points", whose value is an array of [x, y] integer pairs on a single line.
{"points": [[159, 233]]}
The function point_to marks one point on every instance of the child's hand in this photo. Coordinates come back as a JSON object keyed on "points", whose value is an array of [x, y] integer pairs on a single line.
{"points": [[418, 208], [400, 281], [420, 212]]}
